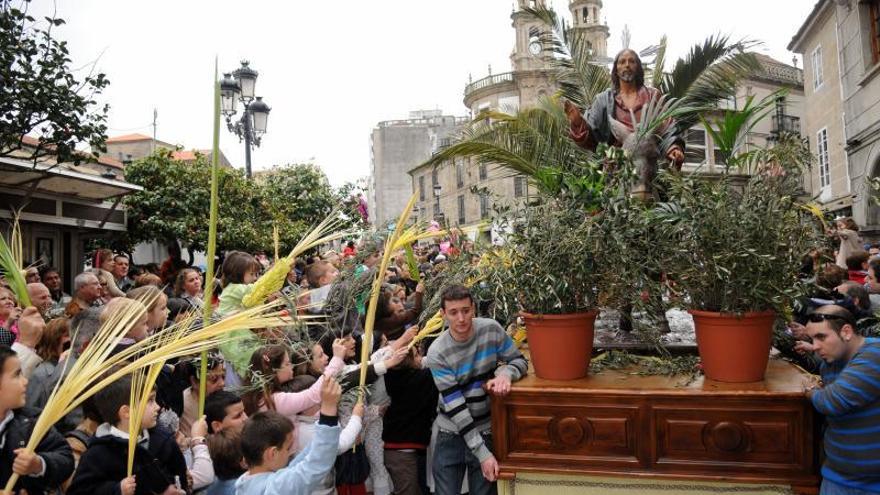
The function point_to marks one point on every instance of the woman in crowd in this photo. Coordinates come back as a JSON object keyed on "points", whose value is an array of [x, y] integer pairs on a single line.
{"points": [[53, 345], [188, 287]]}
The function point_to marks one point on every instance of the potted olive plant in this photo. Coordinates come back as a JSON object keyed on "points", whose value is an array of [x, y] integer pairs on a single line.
{"points": [[733, 249], [552, 270]]}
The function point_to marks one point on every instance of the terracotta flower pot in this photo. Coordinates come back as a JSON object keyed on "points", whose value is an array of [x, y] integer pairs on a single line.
{"points": [[560, 345], [734, 349]]}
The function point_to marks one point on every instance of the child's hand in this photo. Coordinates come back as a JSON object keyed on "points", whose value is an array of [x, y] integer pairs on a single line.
{"points": [[406, 338], [396, 358], [798, 331], [199, 428], [127, 486], [304, 299], [802, 347], [358, 410], [26, 462], [420, 287], [330, 394], [339, 348]]}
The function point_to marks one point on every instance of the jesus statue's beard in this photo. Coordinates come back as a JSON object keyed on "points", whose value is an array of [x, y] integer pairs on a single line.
{"points": [[627, 76]]}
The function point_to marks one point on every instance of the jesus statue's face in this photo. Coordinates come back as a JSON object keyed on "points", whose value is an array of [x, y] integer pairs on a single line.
{"points": [[627, 65]]}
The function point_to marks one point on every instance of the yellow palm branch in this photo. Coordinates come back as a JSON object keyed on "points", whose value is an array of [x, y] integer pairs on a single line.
{"points": [[432, 328], [273, 280], [391, 245], [89, 374]]}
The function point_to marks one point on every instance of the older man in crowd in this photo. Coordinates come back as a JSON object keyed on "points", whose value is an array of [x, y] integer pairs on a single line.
{"points": [[41, 299], [87, 293]]}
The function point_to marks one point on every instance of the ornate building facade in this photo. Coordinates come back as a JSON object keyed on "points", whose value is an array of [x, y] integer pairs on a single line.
{"points": [[460, 198]]}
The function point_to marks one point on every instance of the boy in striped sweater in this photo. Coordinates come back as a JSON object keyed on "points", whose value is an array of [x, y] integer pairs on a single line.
{"points": [[464, 362], [850, 401]]}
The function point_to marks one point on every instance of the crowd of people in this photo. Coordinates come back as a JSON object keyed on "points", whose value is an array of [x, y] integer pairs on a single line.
{"points": [[836, 333], [282, 413]]}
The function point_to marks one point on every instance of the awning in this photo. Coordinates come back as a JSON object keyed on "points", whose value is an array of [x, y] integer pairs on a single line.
{"points": [[60, 180]]}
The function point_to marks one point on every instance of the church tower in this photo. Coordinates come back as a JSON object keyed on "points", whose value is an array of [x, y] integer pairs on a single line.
{"points": [[586, 18], [528, 54]]}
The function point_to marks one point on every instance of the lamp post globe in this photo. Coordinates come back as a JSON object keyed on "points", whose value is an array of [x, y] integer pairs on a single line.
{"points": [[260, 111], [247, 80], [229, 94]]}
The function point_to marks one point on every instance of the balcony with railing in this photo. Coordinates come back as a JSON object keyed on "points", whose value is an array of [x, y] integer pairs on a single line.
{"points": [[488, 81], [785, 123]]}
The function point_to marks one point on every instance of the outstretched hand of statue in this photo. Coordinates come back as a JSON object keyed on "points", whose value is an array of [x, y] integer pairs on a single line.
{"points": [[573, 113], [675, 155]]}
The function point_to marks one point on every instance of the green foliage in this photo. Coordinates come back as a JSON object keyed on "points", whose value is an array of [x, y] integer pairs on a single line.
{"points": [[533, 142], [39, 95], [709, 73], [296, 197], [176, 198], [735, 247], [347, 197], [731, 132], [553, 258], [686, 366]]}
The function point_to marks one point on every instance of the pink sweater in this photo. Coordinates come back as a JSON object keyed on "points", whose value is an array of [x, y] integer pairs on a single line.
{"points": [[292, 403]]}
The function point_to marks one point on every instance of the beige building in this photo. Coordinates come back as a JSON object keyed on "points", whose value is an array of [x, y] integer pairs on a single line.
{"points": [[701, 153], [823, 123], [840, 43]]}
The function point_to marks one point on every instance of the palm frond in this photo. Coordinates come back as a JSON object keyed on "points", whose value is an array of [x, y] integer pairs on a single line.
{"points": [[710, 72], [659, 63], [12, 270], [526, 142], [142, 382], [208, 308], [730, 133], [432, 328], [272, 281]]}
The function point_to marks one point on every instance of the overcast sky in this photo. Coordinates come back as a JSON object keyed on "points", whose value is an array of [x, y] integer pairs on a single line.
{"points": [[331, 70]]}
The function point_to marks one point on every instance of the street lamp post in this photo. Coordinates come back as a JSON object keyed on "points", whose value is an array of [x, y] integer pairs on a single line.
{"points": [[438, 215], [237, 87]]}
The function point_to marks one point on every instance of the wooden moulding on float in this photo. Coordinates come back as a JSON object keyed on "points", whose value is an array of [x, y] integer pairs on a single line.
{"points": [[619, 424]]}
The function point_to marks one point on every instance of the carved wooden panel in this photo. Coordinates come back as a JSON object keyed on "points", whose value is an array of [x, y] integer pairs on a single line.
{"points": [[560, 433], [597, 426], [729, 434]]}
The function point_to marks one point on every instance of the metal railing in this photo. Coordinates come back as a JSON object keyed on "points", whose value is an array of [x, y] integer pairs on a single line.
{"points": [[785, 123], [488, 81]]}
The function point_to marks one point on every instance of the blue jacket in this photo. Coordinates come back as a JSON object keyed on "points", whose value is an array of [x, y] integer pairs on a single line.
{"points": [[304, 472]]}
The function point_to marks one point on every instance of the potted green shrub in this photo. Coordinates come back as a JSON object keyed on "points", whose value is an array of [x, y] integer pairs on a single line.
{"points": [[733, 247], [554, 278]]}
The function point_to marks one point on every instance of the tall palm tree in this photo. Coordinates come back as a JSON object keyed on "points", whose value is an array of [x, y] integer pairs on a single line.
{"points": [[534, 141]]}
